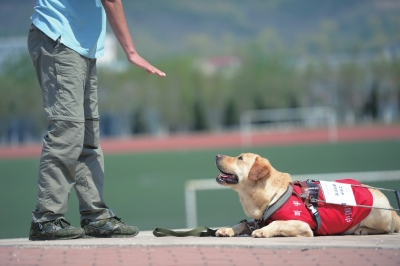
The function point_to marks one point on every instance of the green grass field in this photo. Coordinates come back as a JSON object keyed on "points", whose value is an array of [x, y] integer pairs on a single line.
{"points": [[147, 190]]}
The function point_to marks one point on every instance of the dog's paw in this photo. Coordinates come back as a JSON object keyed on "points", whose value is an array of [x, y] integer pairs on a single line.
{"points": [[227, 232], [361, 231], [260, 233]]}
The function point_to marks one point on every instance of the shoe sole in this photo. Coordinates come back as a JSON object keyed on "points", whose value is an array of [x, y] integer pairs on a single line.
{"points": [[110, 236], [59, 238]]}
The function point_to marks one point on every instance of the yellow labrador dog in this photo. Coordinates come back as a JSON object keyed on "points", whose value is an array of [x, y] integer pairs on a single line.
{"points": [[263, 189]]}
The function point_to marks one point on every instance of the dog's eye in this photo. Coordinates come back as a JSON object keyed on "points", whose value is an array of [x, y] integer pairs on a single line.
{"points": [[240, 158]]}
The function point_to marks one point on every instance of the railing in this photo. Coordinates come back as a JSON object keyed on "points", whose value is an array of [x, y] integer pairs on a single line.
{"points": [[309, 117]]}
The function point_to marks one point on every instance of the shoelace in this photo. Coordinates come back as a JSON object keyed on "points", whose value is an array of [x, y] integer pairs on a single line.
{"points": [[63, 224], [118, 220]]}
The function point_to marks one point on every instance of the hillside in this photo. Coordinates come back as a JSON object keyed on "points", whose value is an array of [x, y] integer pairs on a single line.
{"points": [[216, 27]]}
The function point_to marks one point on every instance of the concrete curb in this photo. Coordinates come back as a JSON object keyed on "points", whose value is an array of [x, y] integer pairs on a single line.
{"points": [[146, 239]]}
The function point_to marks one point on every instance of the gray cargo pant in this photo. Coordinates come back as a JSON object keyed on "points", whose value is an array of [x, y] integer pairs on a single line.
{"points": [[71, 154]]}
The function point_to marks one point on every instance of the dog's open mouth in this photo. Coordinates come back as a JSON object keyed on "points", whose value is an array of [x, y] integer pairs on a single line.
{"points": [[225, 178]]}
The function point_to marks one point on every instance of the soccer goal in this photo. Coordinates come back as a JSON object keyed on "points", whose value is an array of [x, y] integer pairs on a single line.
{"points": [[309, 117]]}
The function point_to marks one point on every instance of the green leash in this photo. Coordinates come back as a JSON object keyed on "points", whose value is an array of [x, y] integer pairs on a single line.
{"points": [[200, 231]]}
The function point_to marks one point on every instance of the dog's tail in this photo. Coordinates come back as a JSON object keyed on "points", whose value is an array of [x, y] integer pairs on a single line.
{"points": [[395, 222]]}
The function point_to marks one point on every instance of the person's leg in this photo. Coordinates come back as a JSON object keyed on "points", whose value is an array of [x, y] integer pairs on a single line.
{"points": [[96, 218], [90, 168], [57, 169], [59, 71]]}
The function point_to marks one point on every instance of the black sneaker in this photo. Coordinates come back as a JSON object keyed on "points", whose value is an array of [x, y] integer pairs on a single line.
{"points": [[110, 227], [54, 230]]}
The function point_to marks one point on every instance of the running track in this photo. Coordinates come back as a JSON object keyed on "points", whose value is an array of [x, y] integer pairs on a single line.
{"points": [[222, 140]]}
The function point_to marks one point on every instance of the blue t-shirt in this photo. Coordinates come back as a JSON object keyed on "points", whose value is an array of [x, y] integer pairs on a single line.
{"points": [[81, 24]]}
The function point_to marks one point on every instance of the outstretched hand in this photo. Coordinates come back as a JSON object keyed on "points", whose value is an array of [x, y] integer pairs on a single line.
{"points": [[116, 18], [139, 61]]}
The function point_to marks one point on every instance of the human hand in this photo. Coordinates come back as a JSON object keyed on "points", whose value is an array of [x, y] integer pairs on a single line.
{"points": [[139, 61], [116, 18]]}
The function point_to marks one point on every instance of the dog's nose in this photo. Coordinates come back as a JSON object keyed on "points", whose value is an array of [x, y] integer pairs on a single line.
{"points": [[219, 156]]}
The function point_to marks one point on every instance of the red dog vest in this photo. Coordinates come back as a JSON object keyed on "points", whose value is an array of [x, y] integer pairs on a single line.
{"points": [[335, 219]]}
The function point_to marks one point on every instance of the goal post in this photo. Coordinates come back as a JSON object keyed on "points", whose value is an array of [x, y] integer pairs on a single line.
{"points": [[286, 118]]}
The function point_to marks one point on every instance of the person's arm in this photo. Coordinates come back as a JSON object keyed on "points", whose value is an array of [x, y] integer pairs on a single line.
{"points": [[116, 18]]}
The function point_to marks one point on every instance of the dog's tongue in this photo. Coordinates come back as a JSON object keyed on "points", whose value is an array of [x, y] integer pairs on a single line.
{"points": [[223, 176]]}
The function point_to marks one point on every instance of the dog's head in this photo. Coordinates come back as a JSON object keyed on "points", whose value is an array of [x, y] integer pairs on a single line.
{"points": [[247, 167], [254, 178]]}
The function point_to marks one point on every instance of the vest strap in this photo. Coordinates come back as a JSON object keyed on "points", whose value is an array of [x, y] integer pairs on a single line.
{"points": [[309, 195], [259, 223]]}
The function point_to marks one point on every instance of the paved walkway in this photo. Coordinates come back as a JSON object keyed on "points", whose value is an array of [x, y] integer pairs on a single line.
{"points": [[145, 249]]}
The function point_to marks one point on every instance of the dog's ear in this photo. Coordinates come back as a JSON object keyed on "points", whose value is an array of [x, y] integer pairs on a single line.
{"points": [[259, 169]]}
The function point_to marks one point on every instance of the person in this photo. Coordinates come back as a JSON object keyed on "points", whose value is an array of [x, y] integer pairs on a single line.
{"points": [[65, 39]]}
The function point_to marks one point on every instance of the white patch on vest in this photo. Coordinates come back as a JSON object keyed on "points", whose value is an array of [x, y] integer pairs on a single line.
{"points": [[296, 203], [296, 212], [338, 193]]}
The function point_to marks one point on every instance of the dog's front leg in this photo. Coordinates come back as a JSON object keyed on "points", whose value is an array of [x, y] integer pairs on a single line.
{"points": [[284, 228], [238, 229]]}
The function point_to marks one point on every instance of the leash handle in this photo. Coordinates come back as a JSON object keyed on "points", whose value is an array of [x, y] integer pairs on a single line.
{"points": [[201, 231], [397, 192]]}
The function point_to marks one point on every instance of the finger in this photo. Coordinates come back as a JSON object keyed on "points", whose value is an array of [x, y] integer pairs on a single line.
{"points": [[161, 74], [156, 71]]}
